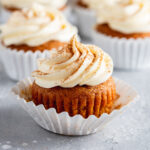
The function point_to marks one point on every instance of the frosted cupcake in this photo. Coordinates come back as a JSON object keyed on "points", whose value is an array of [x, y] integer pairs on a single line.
{"points": [[72, 92], [13, 5], [76, 79], [85, 17], [123, 30], [28, 35]]}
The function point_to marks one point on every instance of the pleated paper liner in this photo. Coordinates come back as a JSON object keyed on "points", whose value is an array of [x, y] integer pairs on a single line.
{"points": [[130, 54], [62, 123]]}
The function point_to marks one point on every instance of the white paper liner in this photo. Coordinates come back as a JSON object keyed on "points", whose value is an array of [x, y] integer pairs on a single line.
{"points": [[19, 64], [129, 54], [64, 124], [85, 19]]}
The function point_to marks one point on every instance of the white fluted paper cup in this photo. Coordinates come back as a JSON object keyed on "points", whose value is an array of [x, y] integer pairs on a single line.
{"points": [[131, 54], [62, 123], [19, 64], [85, 19]]}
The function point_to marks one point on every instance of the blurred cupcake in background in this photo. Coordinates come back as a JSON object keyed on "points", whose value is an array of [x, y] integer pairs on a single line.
{"points": [[13, 5], [85, 17], [30, 34], [123, 30]]}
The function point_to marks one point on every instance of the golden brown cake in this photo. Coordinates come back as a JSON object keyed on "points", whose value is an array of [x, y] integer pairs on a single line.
{"points": [[82, 4], [84, 100], [105, 29], [11, 9], [76, 79], [46, 46]]}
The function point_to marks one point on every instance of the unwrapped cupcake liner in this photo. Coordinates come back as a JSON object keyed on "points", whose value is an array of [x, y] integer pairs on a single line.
{"points": [[85, 19], [131, 54], [62, 123], [19, 64]]}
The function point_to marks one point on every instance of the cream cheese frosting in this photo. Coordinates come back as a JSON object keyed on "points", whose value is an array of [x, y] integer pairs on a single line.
{"points": [[126, 16], [19, 4], [75, 64], [35, 26]]}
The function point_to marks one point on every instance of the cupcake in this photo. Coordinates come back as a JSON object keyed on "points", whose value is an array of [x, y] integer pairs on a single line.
{"points": [[13, 5], [125, 26], [85, 17], [76, 79], [28, 35], [72, 92]]}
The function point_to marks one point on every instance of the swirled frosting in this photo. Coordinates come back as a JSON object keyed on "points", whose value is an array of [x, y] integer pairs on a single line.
{"points": [[126, 16], [76, 64], [28, 3], [36, 26]]}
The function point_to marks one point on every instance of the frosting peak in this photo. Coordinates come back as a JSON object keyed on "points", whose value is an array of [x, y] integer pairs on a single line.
{"points": [[28, 3], [76, 64], [35, 26], [126, 16]]}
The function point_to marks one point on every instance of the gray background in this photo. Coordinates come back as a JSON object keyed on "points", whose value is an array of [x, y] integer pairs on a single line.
{"points": [[129, 131]]}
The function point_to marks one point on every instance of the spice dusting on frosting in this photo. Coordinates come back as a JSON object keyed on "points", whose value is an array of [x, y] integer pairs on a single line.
{"points": [[75, 64]]}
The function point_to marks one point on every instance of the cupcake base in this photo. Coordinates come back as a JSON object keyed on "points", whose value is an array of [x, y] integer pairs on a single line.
{"points": [[81, 4], [83, 100], [62, 123], [46, 46], [105, 29]]}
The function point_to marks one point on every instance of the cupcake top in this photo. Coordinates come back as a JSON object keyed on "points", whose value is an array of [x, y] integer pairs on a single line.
{"points": [[75, 64], [19, 4], [126, 16], [36, 26]]}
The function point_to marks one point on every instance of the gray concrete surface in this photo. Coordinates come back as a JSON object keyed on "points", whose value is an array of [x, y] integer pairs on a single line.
{"points": [[130, 131]]}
